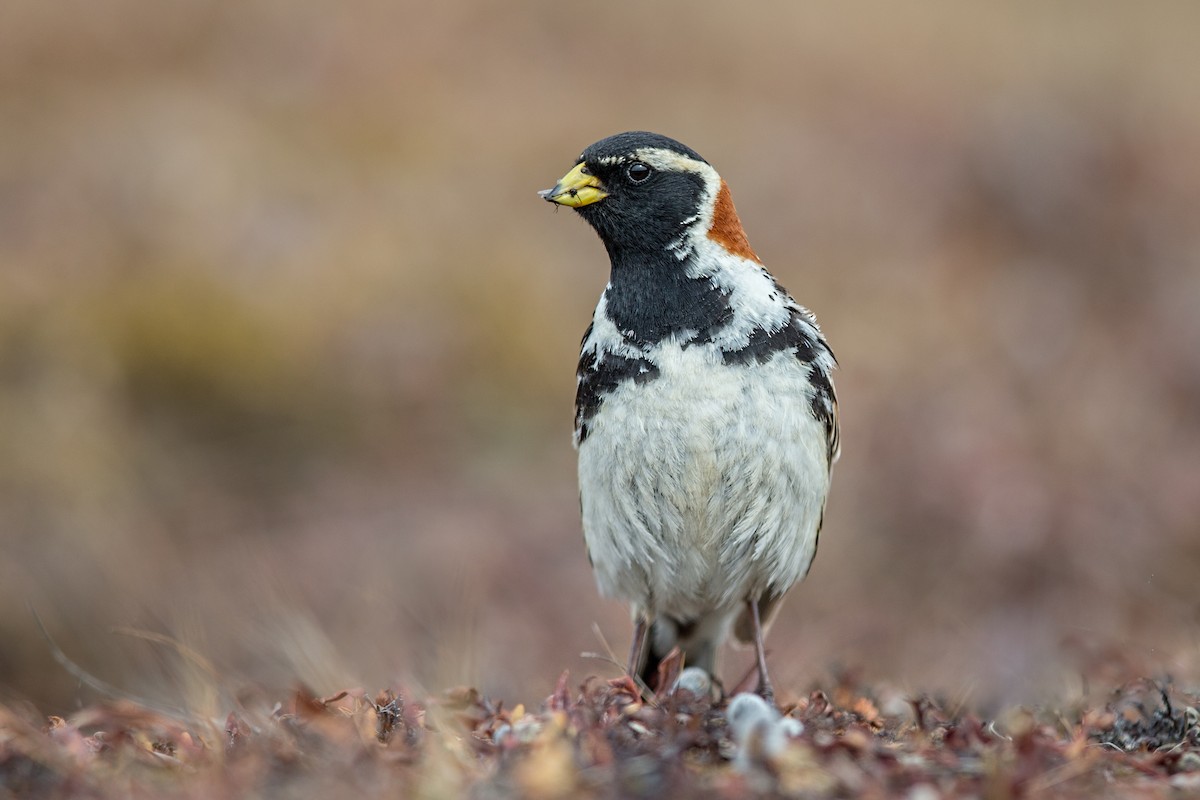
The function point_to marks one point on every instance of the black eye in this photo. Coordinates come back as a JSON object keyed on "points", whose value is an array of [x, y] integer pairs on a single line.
{"points": [[638, 172]]}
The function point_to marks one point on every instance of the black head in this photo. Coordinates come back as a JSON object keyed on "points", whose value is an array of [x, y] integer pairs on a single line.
{"points": [[640, 191]]}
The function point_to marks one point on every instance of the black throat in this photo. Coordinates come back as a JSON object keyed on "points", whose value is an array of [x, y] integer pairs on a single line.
{"points": [[651, 297]]}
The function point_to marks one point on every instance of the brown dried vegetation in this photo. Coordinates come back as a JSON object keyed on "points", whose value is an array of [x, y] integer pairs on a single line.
{"points": [[600, 740]]}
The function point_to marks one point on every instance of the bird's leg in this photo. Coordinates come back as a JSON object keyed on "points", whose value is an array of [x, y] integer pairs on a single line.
{"points": [[764, 681], [641, 627]]}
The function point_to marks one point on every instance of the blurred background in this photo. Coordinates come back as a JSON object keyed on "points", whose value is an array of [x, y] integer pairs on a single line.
{"points": [[287, 340]]}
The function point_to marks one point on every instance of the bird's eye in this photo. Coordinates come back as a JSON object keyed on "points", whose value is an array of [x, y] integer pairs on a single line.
{"points": [[638, 172]]}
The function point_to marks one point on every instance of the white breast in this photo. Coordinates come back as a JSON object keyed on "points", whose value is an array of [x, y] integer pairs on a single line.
{"points": [[704, 486]]}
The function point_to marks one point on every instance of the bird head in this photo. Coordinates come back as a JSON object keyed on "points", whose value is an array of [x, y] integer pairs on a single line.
{"points": [[647, 194]]}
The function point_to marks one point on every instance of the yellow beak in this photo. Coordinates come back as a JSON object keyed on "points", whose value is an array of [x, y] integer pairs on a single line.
{"points": [[577, 188]]}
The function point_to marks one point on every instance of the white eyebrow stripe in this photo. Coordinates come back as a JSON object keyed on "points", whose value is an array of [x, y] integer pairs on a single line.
{"points": [[675, 162], [670, 161]]}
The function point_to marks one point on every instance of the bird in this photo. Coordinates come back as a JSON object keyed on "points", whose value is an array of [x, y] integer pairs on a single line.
{"points": [[706, 421]]}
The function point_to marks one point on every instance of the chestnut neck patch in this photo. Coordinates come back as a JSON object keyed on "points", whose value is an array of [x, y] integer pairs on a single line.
{"points": [[727, 229]]}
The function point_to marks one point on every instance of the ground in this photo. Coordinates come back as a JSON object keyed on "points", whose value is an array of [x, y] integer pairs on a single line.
{"points": [[596, 738]]}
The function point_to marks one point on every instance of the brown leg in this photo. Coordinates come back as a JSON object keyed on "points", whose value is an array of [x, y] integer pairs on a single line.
{"points": [[764, 681], [641, 627]]}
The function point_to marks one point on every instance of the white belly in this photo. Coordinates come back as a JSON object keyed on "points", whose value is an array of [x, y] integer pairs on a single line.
{"points": [[702, 488]]}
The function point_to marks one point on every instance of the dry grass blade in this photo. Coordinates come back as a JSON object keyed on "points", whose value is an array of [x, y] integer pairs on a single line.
{"points": [[99, 685]]}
